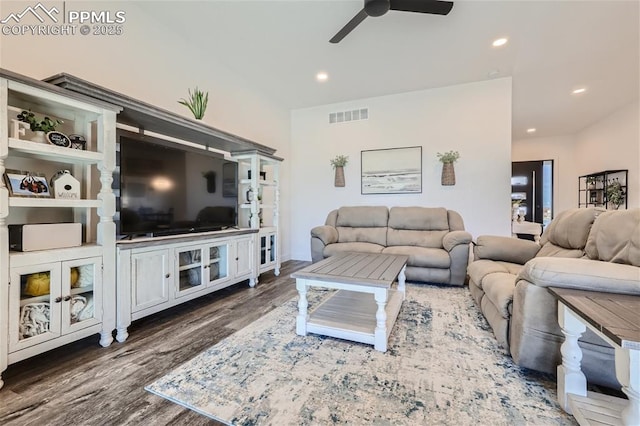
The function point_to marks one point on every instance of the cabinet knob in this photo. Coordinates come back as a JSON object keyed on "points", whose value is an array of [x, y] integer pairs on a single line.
{"points": [[67, 298], [167, 276], [58, 299], [206, 266]]}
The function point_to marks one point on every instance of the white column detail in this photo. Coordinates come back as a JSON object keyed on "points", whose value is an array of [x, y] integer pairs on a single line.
{"points": [[301, 320], [570, 376], [380, 334]]}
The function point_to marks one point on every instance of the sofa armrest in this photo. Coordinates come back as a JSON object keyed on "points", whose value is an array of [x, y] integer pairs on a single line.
{"points": [[582, 274], [505, 249], [327, 234], [456, 238]]}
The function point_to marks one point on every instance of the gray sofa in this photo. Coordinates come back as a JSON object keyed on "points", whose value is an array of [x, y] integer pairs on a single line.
{"points": [[581, 248], [433, 238]]}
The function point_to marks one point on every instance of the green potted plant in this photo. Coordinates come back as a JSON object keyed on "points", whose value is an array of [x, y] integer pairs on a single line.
{"points": [[338, 164], [448, 172], [39, 126], [197, 102], [615, 193]]}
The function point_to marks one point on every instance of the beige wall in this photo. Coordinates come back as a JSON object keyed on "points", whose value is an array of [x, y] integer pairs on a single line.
{"points": [[474, 119], [610, 144]]}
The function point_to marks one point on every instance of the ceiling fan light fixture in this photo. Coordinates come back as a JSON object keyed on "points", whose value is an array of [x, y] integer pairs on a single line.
{"points": [[500, 42]]}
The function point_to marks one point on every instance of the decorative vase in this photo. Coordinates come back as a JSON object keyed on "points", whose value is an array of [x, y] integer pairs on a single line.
{"points": [[339, 178], [448, 174], [39, 136]]}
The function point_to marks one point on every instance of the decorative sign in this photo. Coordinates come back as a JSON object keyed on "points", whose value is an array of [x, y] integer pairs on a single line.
{"points": [[78, 142], [65, 186], [58, 139]]}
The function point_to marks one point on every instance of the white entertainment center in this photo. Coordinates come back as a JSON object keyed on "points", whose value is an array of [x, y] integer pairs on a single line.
{"points": [[51, 297]]}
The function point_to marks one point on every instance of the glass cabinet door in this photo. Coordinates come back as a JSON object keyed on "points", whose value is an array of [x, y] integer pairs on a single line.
{"points": [[34, 305], [272, 248], [263, 250], [190, 270], [81, 293], [218, 262]]}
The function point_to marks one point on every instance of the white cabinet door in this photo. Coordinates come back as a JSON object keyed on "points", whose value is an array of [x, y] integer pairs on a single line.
{"points": [[217, 264], [81, 293], [34, 305], [190, 270], [244, 257], [150, 279]]}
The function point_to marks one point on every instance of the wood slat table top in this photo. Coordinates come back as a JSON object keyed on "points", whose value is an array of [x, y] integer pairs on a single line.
{"points": [[372, 269], [617, 316]]}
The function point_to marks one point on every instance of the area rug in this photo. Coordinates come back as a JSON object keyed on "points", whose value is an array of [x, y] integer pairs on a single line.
{"points": [[443, 367]]}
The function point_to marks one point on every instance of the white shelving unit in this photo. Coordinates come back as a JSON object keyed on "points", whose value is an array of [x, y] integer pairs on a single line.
{"points": [[259, 203], [49, 298]]}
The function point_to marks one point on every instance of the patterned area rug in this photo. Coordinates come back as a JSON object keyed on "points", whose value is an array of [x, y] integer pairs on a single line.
{"points": [[443, 367]]}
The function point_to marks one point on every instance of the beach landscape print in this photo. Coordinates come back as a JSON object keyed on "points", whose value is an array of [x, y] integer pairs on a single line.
{"points": [[392, 171]]}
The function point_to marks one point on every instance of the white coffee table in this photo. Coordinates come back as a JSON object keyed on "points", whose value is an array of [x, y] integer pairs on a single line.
{"points": [[364, 308]]}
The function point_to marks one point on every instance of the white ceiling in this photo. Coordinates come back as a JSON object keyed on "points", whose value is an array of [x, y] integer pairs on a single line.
{"points": [[554, 47]]}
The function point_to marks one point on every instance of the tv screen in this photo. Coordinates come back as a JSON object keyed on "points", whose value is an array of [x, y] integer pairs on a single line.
{"points": [[169, 189]]}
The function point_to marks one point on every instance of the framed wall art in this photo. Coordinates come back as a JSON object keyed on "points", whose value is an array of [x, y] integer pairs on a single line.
{"points": [[392, 171], [26, 184]]}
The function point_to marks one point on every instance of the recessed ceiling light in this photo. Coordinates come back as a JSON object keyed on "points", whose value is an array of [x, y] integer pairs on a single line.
{"points": [[531, 130], [322, 76], [499, 42], [579, 90]]}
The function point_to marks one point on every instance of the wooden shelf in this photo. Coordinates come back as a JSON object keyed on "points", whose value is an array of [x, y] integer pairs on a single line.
{"points": [[52, 153], [25, 300]]}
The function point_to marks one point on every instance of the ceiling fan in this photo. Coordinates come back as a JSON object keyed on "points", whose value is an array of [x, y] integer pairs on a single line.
{"points": [[380, 7]]}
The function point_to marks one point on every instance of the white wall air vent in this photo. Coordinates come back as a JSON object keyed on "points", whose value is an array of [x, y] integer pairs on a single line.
{"points": [[352, 115]]}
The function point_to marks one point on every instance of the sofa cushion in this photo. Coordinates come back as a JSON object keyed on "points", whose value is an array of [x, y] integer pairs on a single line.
{"points": [[363, 217], [499, 288], [615, 237], [417, 226], [362, 224], [479, 269], [403, 237], [419, 218], [568, 230], [422, 257], [332, 249]]}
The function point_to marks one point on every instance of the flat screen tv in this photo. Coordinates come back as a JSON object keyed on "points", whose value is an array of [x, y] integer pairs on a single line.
{"points": [[168, 188]]}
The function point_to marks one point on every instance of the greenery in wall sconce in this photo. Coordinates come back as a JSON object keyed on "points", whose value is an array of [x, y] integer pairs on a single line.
{"points": [[340, 161], [448, 157], [338, 164], [197, 102]]}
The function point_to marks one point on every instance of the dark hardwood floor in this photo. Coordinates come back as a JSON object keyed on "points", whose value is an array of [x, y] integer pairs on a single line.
{"points": [[85, 384]]}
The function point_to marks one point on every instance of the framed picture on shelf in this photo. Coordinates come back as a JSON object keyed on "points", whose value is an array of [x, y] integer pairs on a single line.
{"points": [[26, 184], [392, 171]]}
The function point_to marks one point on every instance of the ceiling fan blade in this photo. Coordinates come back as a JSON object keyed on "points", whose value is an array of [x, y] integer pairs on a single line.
{"points": [[422, 6], [354, 22]]}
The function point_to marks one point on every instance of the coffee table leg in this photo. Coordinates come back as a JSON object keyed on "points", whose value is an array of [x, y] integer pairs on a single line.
{"points": [[628, 374], [301, 320], [380, 336], [401, 279], [570, 376]]}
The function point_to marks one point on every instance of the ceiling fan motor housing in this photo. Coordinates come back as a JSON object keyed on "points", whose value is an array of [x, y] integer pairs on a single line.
{"points": [[376, 7]]}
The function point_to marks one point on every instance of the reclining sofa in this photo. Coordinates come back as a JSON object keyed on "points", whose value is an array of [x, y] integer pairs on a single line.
{"points": [[433, 238], [586, 249]]}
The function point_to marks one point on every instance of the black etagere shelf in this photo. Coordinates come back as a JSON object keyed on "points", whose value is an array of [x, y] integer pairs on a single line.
{"points": [[599, 189]]}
